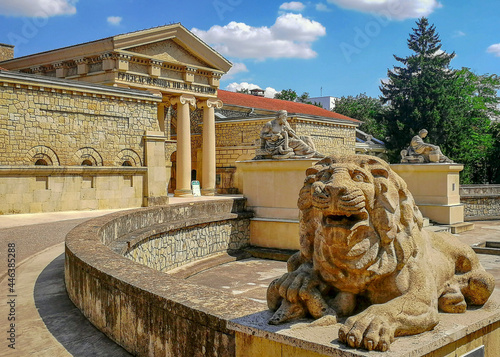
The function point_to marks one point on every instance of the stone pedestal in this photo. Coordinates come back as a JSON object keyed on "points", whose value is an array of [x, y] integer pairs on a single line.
{"points": [[455, 335], [272, 189], [155, 185], [435, 188]]}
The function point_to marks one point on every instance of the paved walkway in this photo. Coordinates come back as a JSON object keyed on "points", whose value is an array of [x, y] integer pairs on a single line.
{"points": [[48, 324]]}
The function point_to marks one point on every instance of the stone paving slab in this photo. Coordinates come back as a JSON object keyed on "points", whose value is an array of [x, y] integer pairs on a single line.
{"points": [[31, 335]]}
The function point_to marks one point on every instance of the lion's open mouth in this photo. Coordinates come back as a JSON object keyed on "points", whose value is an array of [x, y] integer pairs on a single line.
{"points": [[344, 220]]}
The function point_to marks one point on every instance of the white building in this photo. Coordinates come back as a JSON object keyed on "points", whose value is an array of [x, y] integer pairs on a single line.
{"points": [[326, 102]]}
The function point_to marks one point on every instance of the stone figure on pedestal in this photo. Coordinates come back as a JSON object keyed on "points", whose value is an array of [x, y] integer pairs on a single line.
{"points": [[279, 141], [422, 152]]}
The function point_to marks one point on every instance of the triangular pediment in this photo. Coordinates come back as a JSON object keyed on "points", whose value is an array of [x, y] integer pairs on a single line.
{"points": [[172, 43], [170, 51]]}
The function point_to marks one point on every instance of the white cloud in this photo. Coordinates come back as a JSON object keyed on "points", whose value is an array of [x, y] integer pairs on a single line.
{"points": [[290, 37], [270, 92], [459, 34], [235, 69], [37, 8], [495, 49], [292, 6], [392, 9], [114, 20], [233, 87], [322, 7]]}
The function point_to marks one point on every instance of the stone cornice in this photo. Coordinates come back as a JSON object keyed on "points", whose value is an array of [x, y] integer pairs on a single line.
{"points": [[49, 83], [172, 65]]}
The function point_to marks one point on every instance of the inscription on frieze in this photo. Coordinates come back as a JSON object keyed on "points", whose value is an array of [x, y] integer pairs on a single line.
{"points": [[164, 83]]}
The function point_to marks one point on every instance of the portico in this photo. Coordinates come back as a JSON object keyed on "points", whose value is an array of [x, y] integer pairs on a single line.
{"points": [[168, 61]]}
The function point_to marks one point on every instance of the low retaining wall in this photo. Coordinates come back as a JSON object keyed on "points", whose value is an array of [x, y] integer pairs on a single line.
{"points": [[481, 202], [144, 310], [36, 189]]}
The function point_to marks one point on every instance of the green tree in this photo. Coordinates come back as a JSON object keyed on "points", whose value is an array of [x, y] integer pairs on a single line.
{"points": [[477, 102], [287, 94], [304, 98], [493, 161], [367, 109], [291, 95], [417, 90], [243, 90]]}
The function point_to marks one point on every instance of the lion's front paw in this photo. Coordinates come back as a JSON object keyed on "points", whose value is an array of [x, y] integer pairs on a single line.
{"points": [[367, 330]]}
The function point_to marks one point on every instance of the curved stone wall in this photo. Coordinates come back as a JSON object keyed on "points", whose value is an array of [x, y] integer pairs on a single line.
{"points": [[147, 311]]}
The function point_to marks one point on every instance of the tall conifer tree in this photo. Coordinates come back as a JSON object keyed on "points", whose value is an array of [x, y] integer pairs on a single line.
{"points": [[417, 90]]}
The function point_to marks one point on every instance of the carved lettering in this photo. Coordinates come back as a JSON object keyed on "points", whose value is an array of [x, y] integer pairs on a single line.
{"points": [[164, 83]]}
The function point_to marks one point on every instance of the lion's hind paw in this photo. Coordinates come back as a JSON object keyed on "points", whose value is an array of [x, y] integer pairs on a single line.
{"points": [[368, 331]]}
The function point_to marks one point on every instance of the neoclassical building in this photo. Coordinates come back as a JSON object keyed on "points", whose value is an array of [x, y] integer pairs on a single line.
{"points": [[168, 61], [133, 116]]}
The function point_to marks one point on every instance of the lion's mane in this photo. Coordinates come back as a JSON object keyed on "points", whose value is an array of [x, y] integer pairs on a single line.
{"points": [[394, 215]]}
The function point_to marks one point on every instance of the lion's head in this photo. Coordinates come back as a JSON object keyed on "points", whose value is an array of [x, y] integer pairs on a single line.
{"points": [[357, 219]]}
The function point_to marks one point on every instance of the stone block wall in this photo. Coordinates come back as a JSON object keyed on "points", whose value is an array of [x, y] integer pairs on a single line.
{"points": [[179, 247], [51, 189], [67, 145], [71, 124], [238, 133], [6, 52], [329, 138], [480, 201], [227, 156]]}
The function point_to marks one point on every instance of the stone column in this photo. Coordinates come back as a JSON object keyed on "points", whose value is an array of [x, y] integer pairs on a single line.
{"points": [[183, 175], [208, 146]]}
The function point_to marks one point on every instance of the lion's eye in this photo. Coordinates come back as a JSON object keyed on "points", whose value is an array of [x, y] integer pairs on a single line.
{"points": [[325, 176], [359, 176]]}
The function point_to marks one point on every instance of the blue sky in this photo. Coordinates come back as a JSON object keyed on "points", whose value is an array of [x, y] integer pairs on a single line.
{"points": [[328, 47]]}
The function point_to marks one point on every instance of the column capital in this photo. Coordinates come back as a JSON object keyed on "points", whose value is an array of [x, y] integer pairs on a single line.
{"points": [[183, 99], [210, 103]]}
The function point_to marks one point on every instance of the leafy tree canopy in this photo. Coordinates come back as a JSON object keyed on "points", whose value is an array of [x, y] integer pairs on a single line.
{"points": [[287, 94], [291, 95], [367, 109]]}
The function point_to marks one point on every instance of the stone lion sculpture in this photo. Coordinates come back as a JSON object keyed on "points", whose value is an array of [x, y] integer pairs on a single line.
{"points": [[365, 255]]}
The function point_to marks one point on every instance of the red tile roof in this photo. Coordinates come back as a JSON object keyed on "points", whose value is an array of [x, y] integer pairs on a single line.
{"points": [[3, 69], [252, 101]]}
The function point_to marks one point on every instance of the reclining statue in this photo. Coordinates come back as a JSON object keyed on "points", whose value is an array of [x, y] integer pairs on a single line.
{"points": [[421, 152], [365, 255], [279, 141]]}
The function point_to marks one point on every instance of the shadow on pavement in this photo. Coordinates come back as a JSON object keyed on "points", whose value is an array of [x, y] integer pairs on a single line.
{"points": [[64, 321]]}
